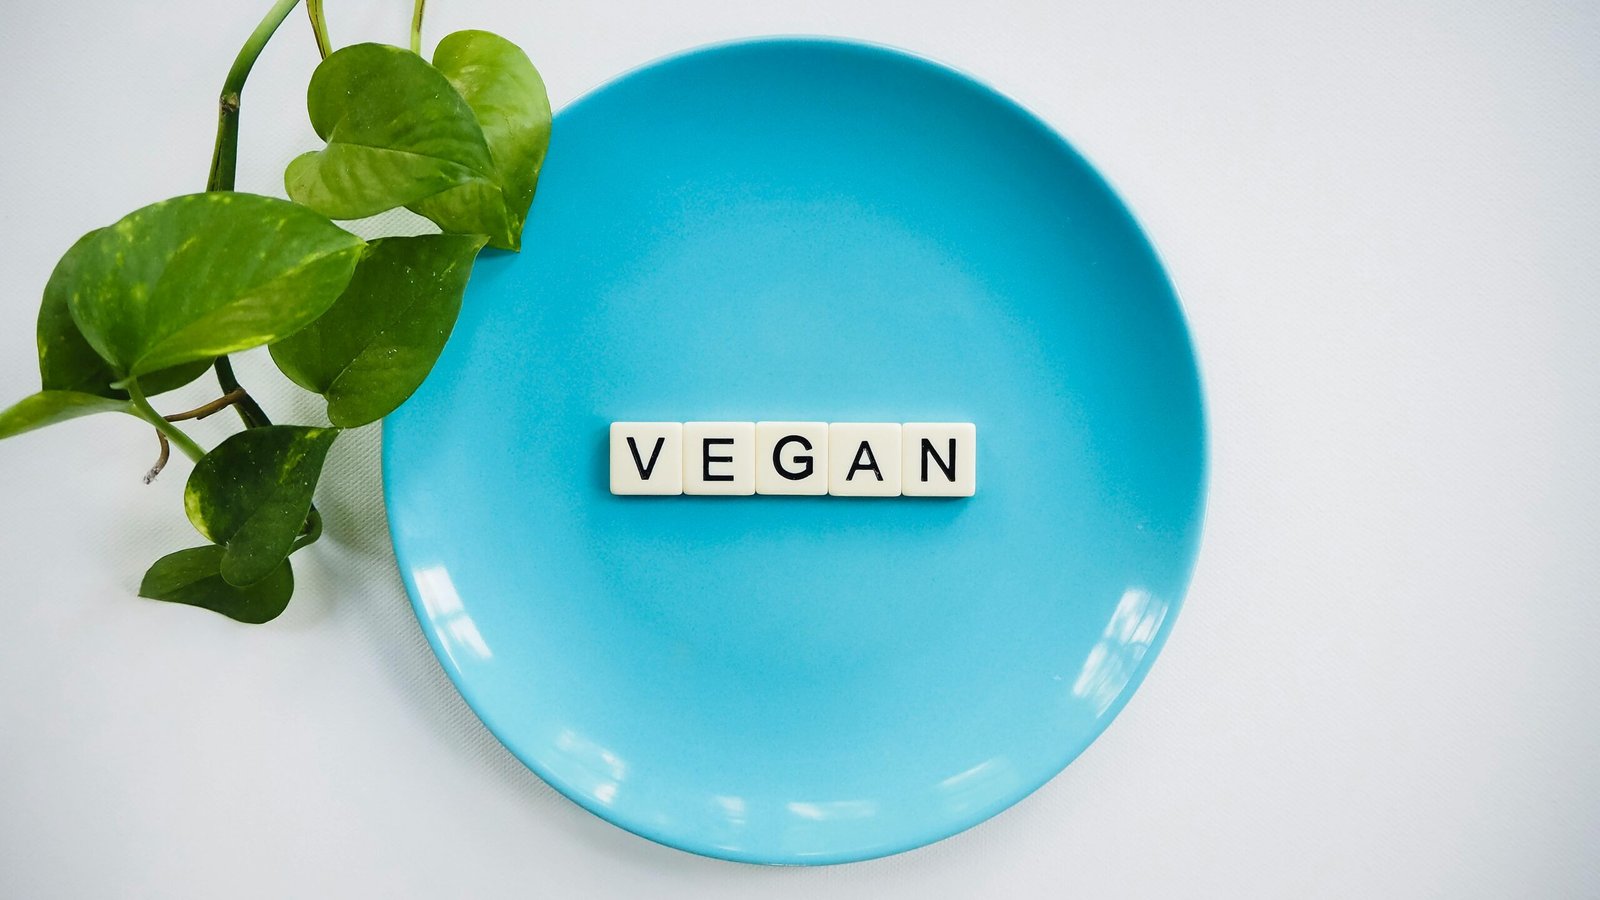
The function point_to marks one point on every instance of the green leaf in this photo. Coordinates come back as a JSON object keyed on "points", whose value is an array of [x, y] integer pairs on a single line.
{"points": [[194, 577], [252, 493], [50, 407], [509, 102], [396, 130], [378, 341], [68, 363], [197, 276]]}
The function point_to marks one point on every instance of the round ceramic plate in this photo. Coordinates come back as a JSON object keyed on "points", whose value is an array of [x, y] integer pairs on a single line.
{"points": [[804, 230]]}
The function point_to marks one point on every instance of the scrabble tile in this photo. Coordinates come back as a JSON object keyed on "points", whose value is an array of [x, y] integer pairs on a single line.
{"points": [[719, 458], [864, 459], [791, 457], [646, 458], [939, 459]]}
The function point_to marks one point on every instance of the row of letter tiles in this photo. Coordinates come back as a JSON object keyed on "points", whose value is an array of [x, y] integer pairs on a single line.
{"points": [[845, 459]]}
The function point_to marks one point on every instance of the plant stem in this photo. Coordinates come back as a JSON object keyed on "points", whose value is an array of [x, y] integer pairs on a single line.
{"points": [[161, 460], [224, 168], [225, 161], [250, 412], [200, 412], [313, 530], [172, 432], [416, 27], [319, 27], [225, 156]]}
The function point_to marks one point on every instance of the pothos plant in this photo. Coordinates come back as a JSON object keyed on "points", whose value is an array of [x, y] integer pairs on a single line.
{"points": [[149, 303]]}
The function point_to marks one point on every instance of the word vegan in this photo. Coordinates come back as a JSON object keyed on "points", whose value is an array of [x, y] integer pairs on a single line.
{"points": [[844, 459]]}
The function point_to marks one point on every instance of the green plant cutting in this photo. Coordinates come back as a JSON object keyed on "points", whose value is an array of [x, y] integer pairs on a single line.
{"points": [[151, 302]]}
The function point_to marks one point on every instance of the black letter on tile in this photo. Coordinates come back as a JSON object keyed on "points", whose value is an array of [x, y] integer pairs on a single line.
{"points": [[948, 470], [777, 458], [857, 465], [645, 470], [705, 466]]}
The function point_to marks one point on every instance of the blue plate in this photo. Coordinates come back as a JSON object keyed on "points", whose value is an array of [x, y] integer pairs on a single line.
{"points": [[819, 231]]}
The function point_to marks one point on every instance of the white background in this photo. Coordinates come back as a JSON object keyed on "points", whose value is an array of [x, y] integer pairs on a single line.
{"points": [[1384, 220]]}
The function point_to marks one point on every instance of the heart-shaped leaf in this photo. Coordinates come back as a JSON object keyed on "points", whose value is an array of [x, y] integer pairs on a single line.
{"points": [[396, 130], [194, 577], [201, 275], [75, 380], [378, 341], [510, 105], [252, 493], [68, 363], [50, 407]]}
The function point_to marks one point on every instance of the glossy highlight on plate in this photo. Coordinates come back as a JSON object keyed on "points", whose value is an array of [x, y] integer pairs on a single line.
{"points": [[815, 231]]}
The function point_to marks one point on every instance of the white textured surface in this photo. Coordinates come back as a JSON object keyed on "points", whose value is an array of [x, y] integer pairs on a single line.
{"points": [[1383, 219]]}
